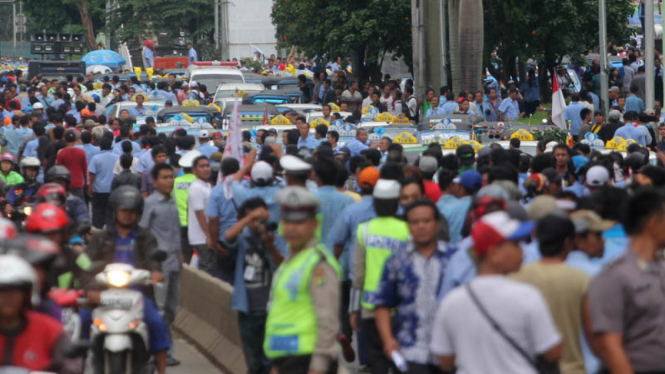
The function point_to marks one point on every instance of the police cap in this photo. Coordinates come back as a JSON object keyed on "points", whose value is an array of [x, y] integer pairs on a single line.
{"points": [[297, 203]]}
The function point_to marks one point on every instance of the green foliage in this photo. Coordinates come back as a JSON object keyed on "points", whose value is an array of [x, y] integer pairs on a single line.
{"points": [[140, 19], [366, 28], [550, 29], [62, 15]]}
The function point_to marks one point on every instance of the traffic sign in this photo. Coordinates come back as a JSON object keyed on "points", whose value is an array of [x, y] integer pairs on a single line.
{"points": [[21, 29], [20, 19]]}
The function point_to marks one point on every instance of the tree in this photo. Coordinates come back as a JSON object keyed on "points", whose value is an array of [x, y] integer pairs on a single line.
{"points": [[547, 30], [466, 43], [364, 29], [137, 20], [55, 15]]}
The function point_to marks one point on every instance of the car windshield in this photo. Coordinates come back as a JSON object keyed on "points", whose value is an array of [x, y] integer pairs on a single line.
{"points": [[195, 117], [223, 94], [213, 80], [271, 100]]}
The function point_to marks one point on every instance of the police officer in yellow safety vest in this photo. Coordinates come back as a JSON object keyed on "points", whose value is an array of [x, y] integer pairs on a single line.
{"points": [[303, 315], [180, 191], [376, 240]]}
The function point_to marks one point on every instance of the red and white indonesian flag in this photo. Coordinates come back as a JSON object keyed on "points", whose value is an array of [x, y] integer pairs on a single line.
{"points": [[233, 146], [558, 104]]}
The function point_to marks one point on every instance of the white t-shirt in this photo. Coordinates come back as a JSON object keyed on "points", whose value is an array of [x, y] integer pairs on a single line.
{"points": [[197, 199], [462, 330], [117, 169]]}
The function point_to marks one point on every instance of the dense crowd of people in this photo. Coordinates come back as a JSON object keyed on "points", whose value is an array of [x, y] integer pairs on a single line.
{"points": [[481, 261]]}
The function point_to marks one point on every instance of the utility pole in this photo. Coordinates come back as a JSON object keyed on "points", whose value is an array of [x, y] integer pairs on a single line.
{"points": [[604, 90], [14, 26], [216, 6], [649, 53], [443, 7]]}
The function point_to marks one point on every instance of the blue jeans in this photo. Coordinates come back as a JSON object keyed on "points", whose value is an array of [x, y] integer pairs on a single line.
{"points": [[158, 335]]}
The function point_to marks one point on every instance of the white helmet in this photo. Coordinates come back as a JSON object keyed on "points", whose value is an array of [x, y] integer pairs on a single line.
{"points": [[27, 162], [17, 272]]}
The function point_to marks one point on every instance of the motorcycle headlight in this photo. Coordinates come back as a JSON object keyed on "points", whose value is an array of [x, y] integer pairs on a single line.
{"points": [[117, 278], [27, 210]]}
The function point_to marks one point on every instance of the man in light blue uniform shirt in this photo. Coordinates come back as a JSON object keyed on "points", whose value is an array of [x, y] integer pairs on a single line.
{"points": [[592, 254], [262, 185], [44, 97], [205, 147], [193, 56], [509, 109], [343, 234], [631, 130], [148, 55], [25, 103], [101, 175], [305, 139], [360, 143], [633, 102], [87, 147], [124, 137], [455, 206], [448, 108], [572, 114], [13, 136], [332, 201]]}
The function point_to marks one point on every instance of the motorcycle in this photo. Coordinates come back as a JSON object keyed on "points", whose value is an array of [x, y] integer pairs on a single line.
{"points": [[119, 336]]}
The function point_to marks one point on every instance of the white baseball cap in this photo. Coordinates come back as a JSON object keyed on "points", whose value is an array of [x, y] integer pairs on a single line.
{"points": [[193, 84], [203, 134], [597, 176], [261, 172]]}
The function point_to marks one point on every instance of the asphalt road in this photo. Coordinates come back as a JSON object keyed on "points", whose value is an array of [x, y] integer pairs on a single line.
{"points": [[191, 361]]}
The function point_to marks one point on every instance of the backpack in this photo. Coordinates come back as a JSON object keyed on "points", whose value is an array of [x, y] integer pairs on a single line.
{"points": [[407, 111]]}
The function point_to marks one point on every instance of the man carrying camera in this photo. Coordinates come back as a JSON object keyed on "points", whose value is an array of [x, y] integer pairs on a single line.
{"points": [[251, 239]]}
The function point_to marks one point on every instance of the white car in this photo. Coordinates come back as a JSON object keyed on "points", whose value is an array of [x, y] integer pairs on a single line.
{"points": [[302, 108], [227, 92], [212, 74]]}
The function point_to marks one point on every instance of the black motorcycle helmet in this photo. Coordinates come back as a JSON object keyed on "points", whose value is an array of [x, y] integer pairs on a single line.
{"points": [[58, 173], [127, 198]]}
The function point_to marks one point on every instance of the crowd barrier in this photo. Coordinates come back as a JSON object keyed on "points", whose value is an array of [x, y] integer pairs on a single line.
{"points": [[206, 320]]}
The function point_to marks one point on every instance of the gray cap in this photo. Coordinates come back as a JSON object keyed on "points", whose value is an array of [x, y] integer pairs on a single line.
{"points": [[428, 164], [297, 203], [294, 165], [614, 89], [614, 115]]}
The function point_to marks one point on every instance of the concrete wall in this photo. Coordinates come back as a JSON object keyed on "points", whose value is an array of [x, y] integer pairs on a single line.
{"points": [[249, 22], [206, 320]]}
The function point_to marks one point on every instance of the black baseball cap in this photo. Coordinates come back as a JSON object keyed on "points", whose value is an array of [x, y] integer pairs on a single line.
{"points": [[466, 154]]}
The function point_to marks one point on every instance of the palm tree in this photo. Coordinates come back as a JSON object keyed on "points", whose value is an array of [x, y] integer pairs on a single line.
{"points": [[453, 32], [466, 43]]}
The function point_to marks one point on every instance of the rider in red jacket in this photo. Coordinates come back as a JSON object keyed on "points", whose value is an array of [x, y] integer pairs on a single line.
{"points": [[28, 339]]}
